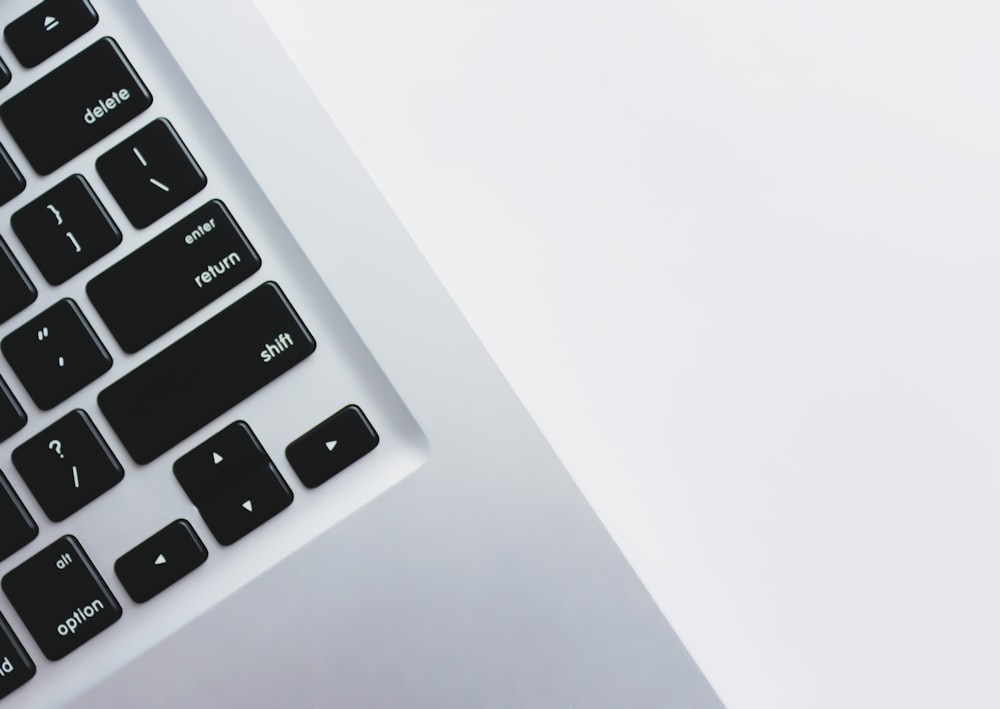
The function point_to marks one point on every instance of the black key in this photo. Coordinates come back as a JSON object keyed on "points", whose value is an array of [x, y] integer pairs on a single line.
{"points": [[331, 446], [205, 373], [173, 276], [150, 173], [67, 465], [86, 99], [56, 354], [240, 510], [16, 667], [12, 416], [48, 27], [16, 291], [232, 481], [220, 463], [4, 74], [66, 229], [11, 180], [161, 561], [17, 528], [61, 598]]}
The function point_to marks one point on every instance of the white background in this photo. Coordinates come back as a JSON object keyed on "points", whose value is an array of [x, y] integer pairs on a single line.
{"points": [[739, 260]]}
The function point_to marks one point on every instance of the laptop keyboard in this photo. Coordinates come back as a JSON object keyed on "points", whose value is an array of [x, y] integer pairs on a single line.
{"points": [[59, 594]]}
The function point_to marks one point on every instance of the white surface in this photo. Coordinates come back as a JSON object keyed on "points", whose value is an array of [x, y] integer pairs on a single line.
{"points": [[738, 259]]}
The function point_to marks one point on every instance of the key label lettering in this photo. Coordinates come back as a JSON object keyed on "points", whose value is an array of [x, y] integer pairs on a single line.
{"points": [[213, 271], [272, 349], [80, 616], [56, 445], [105, 106], [6, 667], [63, 561], [200, 232]]}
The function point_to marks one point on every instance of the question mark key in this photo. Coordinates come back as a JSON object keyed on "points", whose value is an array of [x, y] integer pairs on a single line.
{"points": [[67, 465]]}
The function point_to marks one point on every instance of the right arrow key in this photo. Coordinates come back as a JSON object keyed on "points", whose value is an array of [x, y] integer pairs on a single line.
{"points": [[161, 561], [331, 446]]}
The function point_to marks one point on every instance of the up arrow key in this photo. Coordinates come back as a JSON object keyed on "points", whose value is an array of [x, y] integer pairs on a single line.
{"points": [[160, 560]]}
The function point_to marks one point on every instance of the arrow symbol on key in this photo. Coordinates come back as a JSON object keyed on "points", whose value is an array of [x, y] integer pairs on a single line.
{"points": [[160, 560], [248, 506], [330, 445], [216, 458]]}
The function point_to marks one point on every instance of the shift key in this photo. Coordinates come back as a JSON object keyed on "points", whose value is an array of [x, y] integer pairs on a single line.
{"points": [[173, 276], [205, 373], [75, 106]]}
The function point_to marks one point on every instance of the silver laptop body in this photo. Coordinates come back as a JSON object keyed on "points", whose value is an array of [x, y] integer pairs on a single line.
{"points": [[454, 565]]}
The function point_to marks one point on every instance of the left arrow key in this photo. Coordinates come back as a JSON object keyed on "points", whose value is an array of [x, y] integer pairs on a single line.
{"points": [[160, 561]]}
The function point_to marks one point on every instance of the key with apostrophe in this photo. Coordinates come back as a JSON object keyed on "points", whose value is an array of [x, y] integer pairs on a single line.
{"points": [[56, 354]]}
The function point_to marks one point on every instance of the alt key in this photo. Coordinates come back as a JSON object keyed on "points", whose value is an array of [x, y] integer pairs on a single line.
{"points": [[61, 598]]}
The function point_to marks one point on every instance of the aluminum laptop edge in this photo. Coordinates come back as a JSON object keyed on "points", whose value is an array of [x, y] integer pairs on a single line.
{"points": [[458, 565]]}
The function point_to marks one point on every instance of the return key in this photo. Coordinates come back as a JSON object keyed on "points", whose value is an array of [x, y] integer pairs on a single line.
{"points": [[173, 276]]}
